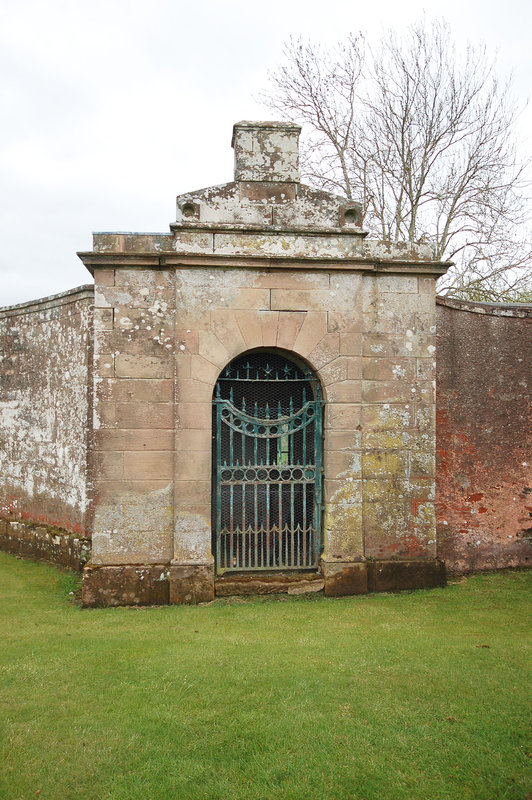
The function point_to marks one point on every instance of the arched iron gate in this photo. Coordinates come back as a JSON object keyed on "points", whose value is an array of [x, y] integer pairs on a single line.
{"points": [[267, 465]]}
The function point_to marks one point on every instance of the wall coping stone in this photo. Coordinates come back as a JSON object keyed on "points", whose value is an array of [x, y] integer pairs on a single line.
{"points": [[85, 292], [489, 309]]}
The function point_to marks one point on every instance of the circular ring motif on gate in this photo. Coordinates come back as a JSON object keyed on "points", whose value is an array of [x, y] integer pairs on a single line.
{"points": [[251, 474], [275, 475], [262, 474], [297, 474]]}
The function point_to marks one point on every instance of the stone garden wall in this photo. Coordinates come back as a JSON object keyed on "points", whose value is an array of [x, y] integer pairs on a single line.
{"points": [[45, 423], [483, 471], [484, 435]]}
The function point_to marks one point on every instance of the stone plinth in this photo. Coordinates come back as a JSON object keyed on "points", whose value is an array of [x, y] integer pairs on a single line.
{"points": [[191, 583], [125, 585]]}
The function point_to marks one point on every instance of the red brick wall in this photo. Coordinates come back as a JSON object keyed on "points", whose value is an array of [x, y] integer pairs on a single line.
{"points": [[484, 435]]}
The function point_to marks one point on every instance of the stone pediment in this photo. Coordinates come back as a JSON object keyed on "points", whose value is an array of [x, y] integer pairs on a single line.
{"points": [[266, 191], [266, 217], [271, 205]]}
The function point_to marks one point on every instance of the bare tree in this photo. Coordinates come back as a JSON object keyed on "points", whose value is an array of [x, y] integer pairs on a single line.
{"points": [[425, 138]]}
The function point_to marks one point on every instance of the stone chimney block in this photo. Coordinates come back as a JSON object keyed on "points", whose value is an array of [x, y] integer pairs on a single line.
{"points": [[266, 151]]}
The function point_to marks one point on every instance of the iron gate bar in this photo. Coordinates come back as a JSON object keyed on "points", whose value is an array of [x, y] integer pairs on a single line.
{"points": [[268, 470]]}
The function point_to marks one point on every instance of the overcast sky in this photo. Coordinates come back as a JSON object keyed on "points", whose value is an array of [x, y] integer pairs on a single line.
{"points": [[110, 108]]}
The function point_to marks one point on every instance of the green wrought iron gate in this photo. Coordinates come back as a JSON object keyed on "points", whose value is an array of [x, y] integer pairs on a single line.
{"points": [[267, 465]]}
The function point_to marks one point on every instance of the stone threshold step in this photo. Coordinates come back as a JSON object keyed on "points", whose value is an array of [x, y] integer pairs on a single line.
{"points": [[268, 583]]}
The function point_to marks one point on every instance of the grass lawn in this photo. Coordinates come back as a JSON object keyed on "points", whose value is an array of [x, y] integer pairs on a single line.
{"points": [[382, 697]]}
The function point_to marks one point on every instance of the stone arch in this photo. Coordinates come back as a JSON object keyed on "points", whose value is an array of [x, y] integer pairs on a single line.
{"points": [[327, 344], [304, 334]]}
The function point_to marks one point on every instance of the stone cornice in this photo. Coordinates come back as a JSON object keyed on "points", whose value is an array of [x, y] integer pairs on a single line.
{"points": [[249, 247], [129, 260]]}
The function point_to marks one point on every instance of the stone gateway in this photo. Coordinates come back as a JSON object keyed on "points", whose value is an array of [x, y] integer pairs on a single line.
{"points": [[260, 405]]}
